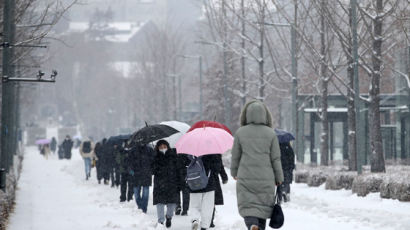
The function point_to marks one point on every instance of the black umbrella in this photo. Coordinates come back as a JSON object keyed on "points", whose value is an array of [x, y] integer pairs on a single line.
{"points": [[152, 133], [118, 140], [284, 136]]}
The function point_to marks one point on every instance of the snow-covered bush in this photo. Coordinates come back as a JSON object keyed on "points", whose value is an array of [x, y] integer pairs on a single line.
{"points": [[367, 183], [301, 176], [340, 180], [316, 179]]}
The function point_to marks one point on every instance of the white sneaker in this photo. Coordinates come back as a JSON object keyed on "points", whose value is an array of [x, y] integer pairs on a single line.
{"points": [[195, 225]]}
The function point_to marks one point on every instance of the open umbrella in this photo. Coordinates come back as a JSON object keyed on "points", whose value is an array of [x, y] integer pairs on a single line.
{"points": [[118, 140], [180, 126], [213, 124], [205, 141], [43, 142], [284, 136], [152, 133]]}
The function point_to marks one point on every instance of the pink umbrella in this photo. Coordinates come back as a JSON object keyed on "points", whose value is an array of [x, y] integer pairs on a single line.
{"points": [[43, 142], [204, 141]]}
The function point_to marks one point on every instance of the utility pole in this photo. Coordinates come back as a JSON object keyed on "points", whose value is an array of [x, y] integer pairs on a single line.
{"points": [[7, 129], [201, 111], [357, 103]]}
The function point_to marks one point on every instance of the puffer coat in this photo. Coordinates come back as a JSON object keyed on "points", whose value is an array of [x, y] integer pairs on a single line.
{"points": [[256, 162]]}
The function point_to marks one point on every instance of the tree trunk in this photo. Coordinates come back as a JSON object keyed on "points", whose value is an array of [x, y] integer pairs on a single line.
{"points": [[243, 45], [261, 55], [324, 136], [376, 145], [351, 113]]}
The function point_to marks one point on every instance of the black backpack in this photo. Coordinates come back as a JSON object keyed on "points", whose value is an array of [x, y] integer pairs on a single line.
{"points": [[87, 147]]}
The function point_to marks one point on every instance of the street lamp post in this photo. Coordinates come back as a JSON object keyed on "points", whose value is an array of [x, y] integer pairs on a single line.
{"points": [[294, 84], [174, 76], [200, 82]]}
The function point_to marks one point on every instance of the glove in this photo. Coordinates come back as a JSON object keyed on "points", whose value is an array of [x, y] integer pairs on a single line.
{"points": [[131, 172], [225, 182]]}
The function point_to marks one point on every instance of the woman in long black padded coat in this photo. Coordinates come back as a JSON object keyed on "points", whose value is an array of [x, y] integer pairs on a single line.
{"points": [[166, 179]]}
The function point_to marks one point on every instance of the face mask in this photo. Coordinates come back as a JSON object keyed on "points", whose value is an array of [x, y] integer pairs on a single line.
{"points": [[163, 150]]}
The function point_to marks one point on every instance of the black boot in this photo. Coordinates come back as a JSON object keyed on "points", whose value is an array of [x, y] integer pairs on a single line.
{"points": [[99, 181], [168, 222], [178, 211], [184, 213]]}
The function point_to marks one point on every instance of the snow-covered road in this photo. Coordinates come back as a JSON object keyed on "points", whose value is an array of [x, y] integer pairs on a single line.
{"points": [[53, 195]]}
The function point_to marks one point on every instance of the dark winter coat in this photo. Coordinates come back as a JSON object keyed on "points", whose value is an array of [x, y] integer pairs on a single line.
{"points": [[67, 146], [182, 164], [211, 163], [166, 177], [121, 157], [141, 158], [219, 197], [60, 152], [53, 144], [287, 157]]}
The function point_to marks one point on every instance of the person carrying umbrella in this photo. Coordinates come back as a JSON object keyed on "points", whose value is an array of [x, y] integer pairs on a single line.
{"points": [[166, 179], [287, 156], [256, 165], [205, 146], [142, 157], [45, 150]]}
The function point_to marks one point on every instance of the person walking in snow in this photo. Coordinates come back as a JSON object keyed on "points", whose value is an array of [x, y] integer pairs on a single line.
{"points": [[98, 154], [60, 152], [141, 159], [67, 146], [166, 179], [182, 209], [219, 197], [53, 145], [88, 154], [288, 165], [256, 165], [122, 159], [202, 202], [45, 150]]}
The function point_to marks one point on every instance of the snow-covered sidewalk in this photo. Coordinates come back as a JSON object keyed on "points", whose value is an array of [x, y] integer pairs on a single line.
{"points": [[53, 194]]}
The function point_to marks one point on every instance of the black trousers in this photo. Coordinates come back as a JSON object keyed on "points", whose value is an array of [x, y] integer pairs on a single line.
{"points": [[99, 170], [115, 177], [126, 184], [250, 220], [185, 198]]}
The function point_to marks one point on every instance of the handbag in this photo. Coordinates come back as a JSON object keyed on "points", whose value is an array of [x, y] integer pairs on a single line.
{"points": [[277, 218]]}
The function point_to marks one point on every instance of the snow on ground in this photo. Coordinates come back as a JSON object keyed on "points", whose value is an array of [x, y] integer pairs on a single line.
{"points": [[53, 194]]}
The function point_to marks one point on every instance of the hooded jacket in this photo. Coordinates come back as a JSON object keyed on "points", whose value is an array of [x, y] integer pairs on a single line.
{"points": [[166, 176], [256, 162], [91, 154]]}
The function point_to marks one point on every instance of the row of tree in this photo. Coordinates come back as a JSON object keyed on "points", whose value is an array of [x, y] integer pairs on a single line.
{"points": [[255, 51]]}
